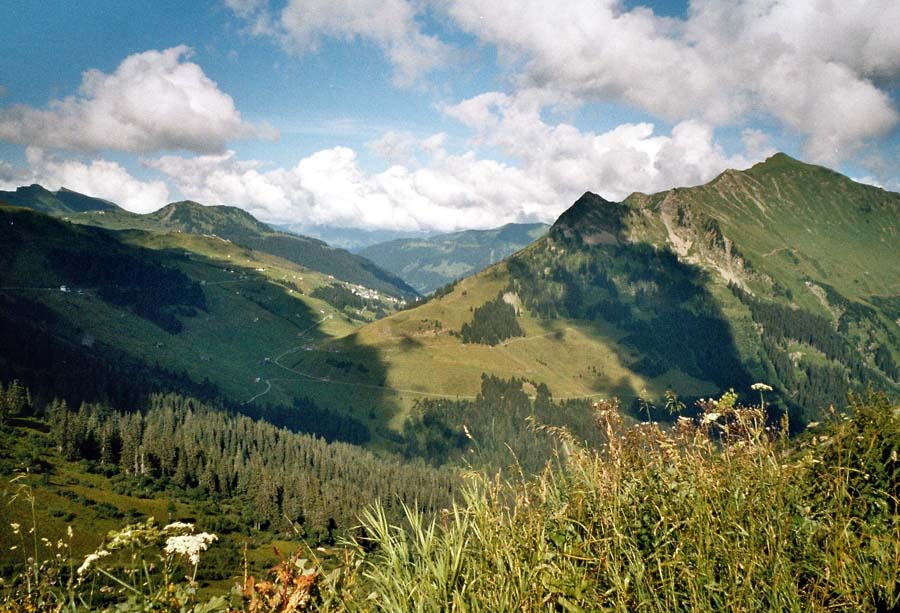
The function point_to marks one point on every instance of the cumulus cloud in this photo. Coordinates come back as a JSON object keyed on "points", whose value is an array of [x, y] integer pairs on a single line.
{"points": [[330, 187], [390, 24], [631, 157], [427, 188], [99, 178], [811, 65], [406, 148], [155, 100]]}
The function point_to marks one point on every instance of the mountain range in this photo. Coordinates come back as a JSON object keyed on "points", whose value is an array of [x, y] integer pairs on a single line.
{"points": [[785, 273], [230, 223]]}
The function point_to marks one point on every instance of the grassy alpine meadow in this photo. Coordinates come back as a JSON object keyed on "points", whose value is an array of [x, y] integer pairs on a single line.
{"points": [[722, 511]]}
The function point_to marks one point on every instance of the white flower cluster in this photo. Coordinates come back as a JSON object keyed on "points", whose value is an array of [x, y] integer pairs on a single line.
{"points": [[89, 561], [708, 418], [190, 545], [761, 387]]}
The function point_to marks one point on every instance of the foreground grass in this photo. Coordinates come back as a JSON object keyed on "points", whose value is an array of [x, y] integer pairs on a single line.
{"points": [[720, 512]]}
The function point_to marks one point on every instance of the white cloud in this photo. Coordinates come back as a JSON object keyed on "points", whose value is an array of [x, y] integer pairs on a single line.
{"points": [[155, 100], [390, 24], [427, 188], [12, 177], [406, 148], [811, 65], [329, 187], [631, 157], [99, 178]]}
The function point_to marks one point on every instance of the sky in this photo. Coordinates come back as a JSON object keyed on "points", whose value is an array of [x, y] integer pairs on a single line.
{"points": [[437, 115]]}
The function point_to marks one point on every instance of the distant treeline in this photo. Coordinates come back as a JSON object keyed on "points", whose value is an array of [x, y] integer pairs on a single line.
{"points": [[277, 478]]}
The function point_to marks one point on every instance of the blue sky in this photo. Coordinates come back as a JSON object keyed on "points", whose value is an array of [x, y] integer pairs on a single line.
{"points": [[442, 114]]}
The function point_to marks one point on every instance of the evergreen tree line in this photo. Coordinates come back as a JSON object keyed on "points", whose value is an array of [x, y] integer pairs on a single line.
{"points": [[492, 323], [284, 479], [14, 400], [783, 324], [497, 430], [810, 386]]}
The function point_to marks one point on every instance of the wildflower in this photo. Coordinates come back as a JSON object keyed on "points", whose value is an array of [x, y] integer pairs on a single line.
{"points": [[15, 527], [69, 531], [761, 387], [89, 561], [190, 545], [710, 417]]}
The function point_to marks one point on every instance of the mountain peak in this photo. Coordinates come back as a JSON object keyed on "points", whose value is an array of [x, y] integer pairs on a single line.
{"points": [[591, 213], [781, 162]]}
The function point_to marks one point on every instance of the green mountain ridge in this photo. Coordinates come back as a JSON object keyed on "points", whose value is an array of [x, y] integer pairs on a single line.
{"points": [[429, 263], [60, 202], [226, 222], [90, 314], [234, 224], [785, 273]]}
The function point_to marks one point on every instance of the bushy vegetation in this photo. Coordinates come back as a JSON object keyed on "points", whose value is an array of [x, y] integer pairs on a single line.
{"points": [[719, 512], [495, 430], [492, 323]]}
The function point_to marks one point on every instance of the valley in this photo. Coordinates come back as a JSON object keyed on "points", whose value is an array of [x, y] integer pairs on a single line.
{"points": [[185, 364]]}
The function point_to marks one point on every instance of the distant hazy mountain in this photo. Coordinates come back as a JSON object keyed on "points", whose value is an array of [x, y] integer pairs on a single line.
{"points": [[60, 202], [352, 239], [429, 263]]}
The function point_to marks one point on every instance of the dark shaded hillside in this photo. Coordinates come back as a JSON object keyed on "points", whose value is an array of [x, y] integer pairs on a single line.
{"points": [[87, 317], [587, 269], [40, 251], [430, 263]]}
